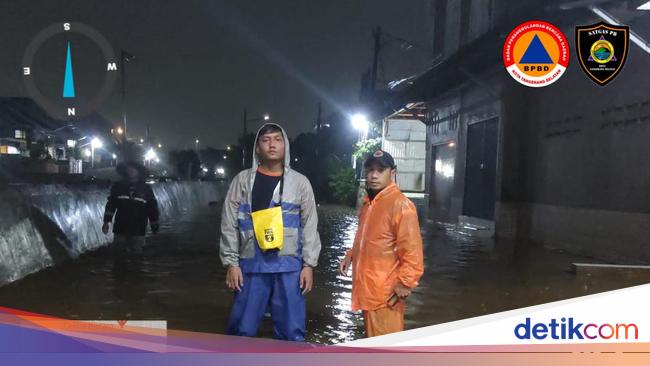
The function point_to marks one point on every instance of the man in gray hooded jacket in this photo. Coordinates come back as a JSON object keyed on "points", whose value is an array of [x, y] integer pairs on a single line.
{"points": [[274, 279]]}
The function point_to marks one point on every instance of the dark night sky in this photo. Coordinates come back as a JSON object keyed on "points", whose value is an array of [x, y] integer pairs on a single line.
{"points": [[200, 62]]}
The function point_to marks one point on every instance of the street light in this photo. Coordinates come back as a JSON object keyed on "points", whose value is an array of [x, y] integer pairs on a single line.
{"points": [[150, 155], [120, 131], [95, 143], [197, 144], [160, 146], [360, 123], [266, 117], [125, 57]]}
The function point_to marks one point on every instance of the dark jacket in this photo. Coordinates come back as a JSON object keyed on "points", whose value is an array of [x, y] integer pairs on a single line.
{"points": [[132, 204]]}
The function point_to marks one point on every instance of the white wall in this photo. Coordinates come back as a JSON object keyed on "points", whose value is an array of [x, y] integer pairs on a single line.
{"points": [[405, 140]]}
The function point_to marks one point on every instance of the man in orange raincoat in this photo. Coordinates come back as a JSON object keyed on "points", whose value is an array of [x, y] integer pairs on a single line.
{"points": [[386, 257]]}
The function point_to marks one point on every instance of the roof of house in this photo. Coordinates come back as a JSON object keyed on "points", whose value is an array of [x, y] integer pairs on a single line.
{"points": [[20, 112], [25, 113]]}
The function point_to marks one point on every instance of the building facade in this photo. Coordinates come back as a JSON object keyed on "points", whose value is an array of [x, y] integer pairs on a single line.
{"points": [[564, 165]]}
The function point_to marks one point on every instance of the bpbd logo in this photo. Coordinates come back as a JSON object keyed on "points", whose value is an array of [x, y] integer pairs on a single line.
{"points": [[536, 53], [570, 329]]}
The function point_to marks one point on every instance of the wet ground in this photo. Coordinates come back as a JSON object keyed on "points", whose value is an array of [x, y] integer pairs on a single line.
{"points": [[180, 279]]}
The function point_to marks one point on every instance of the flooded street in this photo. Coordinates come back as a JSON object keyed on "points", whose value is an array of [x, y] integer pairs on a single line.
{"points": [[180, 279]]}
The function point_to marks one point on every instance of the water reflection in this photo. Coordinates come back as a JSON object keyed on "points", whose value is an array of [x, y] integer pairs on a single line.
{"points": [[42, 225], [180, 279], [332, 297]]}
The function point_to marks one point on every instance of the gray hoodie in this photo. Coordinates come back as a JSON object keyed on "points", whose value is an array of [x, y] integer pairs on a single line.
{"points": [[299, 214]]}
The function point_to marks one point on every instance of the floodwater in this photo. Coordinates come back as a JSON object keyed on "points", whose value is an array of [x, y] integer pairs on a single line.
{"points": [[180, 279]]}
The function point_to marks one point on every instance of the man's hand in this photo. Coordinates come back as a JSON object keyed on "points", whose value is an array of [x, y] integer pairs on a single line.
{"points": [[105, 228], [234, 278], [344, 267], [402, 291], [306, 279]]}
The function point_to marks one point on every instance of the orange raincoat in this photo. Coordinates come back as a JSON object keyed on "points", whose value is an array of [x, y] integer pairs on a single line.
{"points": [[387, 249]]}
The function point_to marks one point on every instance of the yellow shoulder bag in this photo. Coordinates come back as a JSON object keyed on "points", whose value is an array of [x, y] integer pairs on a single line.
{"points": [[268, 225]]}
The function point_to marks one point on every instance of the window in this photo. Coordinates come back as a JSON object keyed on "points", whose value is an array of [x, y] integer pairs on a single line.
{"points": [[72, 143], [12, 150], [20, 134]]}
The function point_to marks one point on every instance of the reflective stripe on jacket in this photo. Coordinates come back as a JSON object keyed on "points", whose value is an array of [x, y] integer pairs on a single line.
{"points": [[132, 205], [301, 239]]}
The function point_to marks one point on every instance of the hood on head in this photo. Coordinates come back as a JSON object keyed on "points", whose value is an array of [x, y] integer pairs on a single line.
{"points": [[121, 169], [287, 157]]}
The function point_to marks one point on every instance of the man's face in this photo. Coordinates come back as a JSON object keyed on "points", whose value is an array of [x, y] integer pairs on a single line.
{"points": [[132, 173], [378, 177], [270, 147]]}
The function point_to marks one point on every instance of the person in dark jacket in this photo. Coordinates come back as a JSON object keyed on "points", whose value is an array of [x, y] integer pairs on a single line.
{"points": [[133, 204]]}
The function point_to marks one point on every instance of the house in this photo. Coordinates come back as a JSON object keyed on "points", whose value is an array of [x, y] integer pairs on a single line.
{"points": [[27, 131], [564, 165]]}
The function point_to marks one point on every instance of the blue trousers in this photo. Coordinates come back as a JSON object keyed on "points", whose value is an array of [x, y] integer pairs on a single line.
{"points": [[278, 292]]}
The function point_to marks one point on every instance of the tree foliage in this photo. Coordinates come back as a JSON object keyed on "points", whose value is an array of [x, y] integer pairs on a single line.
{"points": [[343, 186]]}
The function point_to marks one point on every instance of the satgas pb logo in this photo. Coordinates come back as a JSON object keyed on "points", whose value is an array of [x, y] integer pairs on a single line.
{"points": [[568, 328]]}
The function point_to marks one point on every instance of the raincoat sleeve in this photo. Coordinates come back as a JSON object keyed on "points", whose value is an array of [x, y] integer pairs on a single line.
{"points": [[309, 222], [355, 244], [229, 243], [111, 204], [409, 245]]}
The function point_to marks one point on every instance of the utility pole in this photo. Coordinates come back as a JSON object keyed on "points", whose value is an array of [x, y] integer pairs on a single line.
{"points": [[245, 122], [319, 123], [375, 59], [122, 76], [124, 58], [243, 141]]}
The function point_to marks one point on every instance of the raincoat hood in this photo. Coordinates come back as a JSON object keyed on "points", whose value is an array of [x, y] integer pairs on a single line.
{"points": [[287, 156], [121, 170], [300, 219]]}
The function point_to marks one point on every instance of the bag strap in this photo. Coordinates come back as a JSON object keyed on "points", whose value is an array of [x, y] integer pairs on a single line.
{"points": [[281, 185]]}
